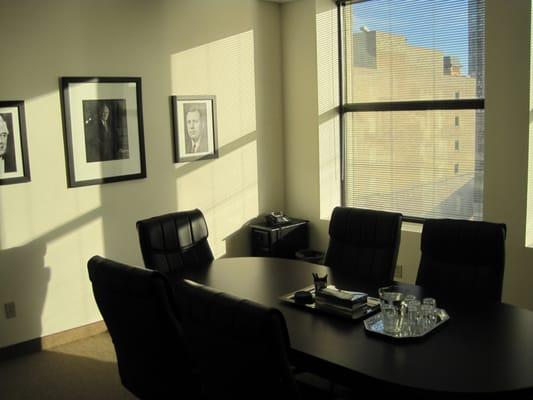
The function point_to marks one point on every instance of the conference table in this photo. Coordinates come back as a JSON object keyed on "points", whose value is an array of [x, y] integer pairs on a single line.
{"points": [[482, 349]]}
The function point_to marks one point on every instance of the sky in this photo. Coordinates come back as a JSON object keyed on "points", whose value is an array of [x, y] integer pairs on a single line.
{"points": [[436, 24]]}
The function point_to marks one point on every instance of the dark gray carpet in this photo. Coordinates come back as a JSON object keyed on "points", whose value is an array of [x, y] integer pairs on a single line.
{"points": [[85, 369]]}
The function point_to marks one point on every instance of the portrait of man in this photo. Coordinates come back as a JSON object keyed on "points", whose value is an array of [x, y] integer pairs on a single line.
{"points": [[7, 147], [196, 140], [194, 128], [105, 130]]}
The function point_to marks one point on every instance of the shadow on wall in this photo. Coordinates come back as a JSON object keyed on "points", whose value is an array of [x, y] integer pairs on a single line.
{"points": [[238, 243], [28, 276], [28, 279]]}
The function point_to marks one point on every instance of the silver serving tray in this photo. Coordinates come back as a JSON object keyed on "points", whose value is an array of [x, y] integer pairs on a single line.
{"points": [[371, 307], [374, 324]]}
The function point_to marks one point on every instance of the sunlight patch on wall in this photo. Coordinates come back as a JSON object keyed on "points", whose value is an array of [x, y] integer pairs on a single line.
{"points": [[328, 102], [224, 68], [28, 216], [226, 192], [87, 241], [226, 188], [17, 217], [327, 60], [33, 210], [234, 204], [329, 149]]}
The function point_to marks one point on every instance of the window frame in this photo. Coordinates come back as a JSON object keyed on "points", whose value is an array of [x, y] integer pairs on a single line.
{"points": [[408, 105]]}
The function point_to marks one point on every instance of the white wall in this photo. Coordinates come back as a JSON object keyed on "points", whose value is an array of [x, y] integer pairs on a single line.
{"points": [[506, 139], [230, 49], [506, 124], [301, 116]]}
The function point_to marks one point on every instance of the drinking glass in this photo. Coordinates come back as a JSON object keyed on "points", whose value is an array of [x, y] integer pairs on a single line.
{"points": [[391, 318], [431, 317], [391, 308], [390, 294], [429, 300], [413, 317], [405, 303], [427, 314]]}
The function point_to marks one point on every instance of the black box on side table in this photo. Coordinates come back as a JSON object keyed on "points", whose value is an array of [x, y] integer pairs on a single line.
{"points": [[282, 240]]}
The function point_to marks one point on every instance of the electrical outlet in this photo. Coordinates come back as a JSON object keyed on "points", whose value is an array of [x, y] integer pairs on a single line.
{"points": [[398, 272], [10, 310]]}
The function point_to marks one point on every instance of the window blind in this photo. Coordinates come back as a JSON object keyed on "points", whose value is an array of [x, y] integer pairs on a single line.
{"points": [[413, 110]]}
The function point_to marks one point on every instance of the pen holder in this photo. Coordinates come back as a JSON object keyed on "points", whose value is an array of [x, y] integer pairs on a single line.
{"points": [[320, 282]]}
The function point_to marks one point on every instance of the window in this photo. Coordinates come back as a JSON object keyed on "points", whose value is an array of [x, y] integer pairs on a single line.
{"points": [[405, 64]]}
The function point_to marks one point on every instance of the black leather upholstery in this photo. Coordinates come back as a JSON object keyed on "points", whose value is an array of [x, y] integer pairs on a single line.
{"points": [[462, 258], [153, 359], [171, 241], [240, 346], [364, 242]]}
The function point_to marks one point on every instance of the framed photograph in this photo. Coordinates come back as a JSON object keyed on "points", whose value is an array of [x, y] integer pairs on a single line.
{"points": [[14, 163], [195, 128], [103, 130]]}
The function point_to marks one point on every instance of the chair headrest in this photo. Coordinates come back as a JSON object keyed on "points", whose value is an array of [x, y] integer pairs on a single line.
{"points": [[178, 230], [360, 226], [476, 240]]}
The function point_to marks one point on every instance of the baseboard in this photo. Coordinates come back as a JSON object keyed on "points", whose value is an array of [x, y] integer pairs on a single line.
{"points": [[51, 341]]}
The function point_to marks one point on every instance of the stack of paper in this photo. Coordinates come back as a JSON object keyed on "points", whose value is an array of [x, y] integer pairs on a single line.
{"points": [[341, 301]]}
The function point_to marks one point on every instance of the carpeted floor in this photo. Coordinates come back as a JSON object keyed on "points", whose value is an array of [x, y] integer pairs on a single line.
{"points": [[86, 369]]}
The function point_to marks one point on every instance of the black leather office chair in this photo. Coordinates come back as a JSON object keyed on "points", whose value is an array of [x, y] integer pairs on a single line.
{"points": [[153, 358], [462, 258], [240, 346], [171, 241], [364, 243]]}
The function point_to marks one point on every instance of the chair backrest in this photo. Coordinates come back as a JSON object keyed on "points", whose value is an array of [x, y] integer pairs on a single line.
{"points": [[171, 241], [462, 258], [240, 346], [364, 242], [139, 312]]}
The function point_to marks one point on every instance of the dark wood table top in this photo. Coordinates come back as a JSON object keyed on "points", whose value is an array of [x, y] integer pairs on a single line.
{"points": [[483, 348]]}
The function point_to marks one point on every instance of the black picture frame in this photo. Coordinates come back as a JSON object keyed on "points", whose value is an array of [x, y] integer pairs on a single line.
{"points": [[14, 161], [103, 129], [194, 116]]}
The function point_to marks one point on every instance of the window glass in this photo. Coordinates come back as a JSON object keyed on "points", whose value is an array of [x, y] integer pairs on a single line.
{"points": [[412, 55]]}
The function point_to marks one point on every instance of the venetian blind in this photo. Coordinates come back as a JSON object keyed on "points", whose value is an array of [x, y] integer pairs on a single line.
{"points": [[414, 89]]}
